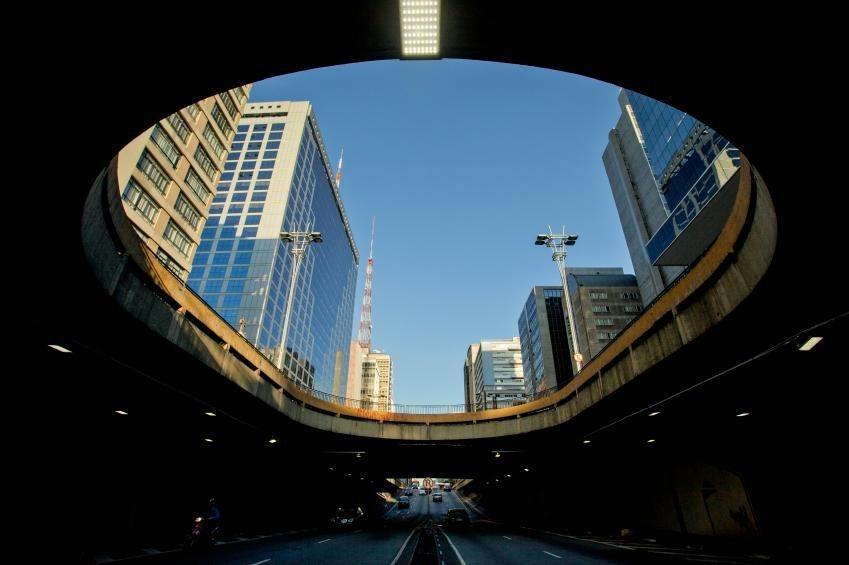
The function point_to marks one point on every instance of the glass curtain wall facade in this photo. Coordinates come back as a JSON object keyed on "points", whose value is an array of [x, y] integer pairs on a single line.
{"points": [[545, 341], [277, 178], [499, 378]]}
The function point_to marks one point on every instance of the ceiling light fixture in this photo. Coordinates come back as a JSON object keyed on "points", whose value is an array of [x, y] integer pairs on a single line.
{"points": [[58, 348], [654, 413], [419, 28], [120, 412], [808, 345]]}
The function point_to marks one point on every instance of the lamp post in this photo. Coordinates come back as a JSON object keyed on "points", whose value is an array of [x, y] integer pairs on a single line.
{"points": [[558, 243], [300, 241]]}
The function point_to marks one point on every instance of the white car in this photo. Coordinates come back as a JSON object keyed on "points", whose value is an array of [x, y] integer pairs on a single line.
{"points": [[422, 491]]}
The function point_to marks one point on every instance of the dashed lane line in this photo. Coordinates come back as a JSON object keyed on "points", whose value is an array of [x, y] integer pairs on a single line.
{"points": [[454, 547], [322, 541], [552, 554]]}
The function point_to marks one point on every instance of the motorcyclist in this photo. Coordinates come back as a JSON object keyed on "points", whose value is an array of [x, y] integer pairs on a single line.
{"points": [[212, 517]]}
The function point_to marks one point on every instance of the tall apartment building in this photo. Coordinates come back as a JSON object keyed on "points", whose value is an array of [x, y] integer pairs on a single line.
{"points": [[385, 392], [277, 177], [469, 388], [354, 385], [499, 380], [664, 169], [604, 301], [370, 391], [545, 340], [166, 175]]}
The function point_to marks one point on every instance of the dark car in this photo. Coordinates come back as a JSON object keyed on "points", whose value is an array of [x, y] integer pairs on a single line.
{"points": [[447, 488], [404, 502], [457, 517], [346, 517], [437, 497]]}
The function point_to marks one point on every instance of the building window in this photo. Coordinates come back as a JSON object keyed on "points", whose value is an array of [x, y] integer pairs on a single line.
{"points": [[187, 211], [597, 309], [193, 111], [633, 308], [180, 127], [630, 296], [166, 144], [214, 141], [153, 172], [221, 120], [203, 159], [240, 92], [170, 263], [603, 322], [197, 186], [598, 295], [229, 103], [178, 238], [141, 202]]}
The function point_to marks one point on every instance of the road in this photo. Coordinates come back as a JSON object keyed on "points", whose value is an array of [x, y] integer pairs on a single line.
{"points": [[483, 542]]}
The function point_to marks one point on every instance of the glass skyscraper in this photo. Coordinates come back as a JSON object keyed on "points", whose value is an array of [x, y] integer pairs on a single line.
{"points": [[277, 177], [544, 336]]}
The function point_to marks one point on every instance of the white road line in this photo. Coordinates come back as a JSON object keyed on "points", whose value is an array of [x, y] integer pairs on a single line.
{"points": [[400, 551], [552, 554], [454, 547], [505, 537], [590, 540], [262, 562], [324, 540]]}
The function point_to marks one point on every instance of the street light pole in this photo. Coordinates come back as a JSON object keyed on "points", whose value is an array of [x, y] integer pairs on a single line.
{"points": [[558, 243], [300, 241]]}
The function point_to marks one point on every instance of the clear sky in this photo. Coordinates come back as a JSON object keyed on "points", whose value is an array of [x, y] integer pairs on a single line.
{"points": [[462, 163]]}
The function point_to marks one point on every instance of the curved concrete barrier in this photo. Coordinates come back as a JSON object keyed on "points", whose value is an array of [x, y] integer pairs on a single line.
{"points": [[714, 286]]}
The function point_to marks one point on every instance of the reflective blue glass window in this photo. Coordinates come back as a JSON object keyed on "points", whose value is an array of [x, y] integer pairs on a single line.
{"points": [[197, 273], [228, 233], [242, 258], [261, 185], [254, 146], [249, 232], [264, 174], [208, 233], [231, 221], [239, 137], [233, 156], [205, 245], [226, 176], [236, 286], [230, 166], [223, 187], [273, 145], [237, 146], [242, 186], [267, 165], [269, 155], [212, 221], [239, 197], [239, 272], [213, 286], [245, 175], [220, 258], [255, 209], [275, 135], [225, 245], [252, 220], [246, 244], [235, 208], [257, 136], [217, 272], [248, 165], [260, 127], [242, 128], [220, 198], [277, 127], [258, 196], [251, 155], [201, 258], [217, 209]]}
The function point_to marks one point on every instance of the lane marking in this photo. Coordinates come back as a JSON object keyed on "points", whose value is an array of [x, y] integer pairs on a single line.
{"points": [[324, 540], [261, 562], [505, 537], [400, 551], [589, 540], [454, 547], [552, 554]]}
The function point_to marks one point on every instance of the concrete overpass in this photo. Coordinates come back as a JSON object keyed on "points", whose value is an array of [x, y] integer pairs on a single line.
{"points": [[138, 341]]}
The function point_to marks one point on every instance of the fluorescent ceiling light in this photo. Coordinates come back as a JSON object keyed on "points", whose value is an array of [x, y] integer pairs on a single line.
{"points": [[808, 345], [587, 441], [272, 440], [120, 412], [419, 28], [210, 413], [650, 441], [743, 414], [208, 440], [59, 348], [654, 413]]}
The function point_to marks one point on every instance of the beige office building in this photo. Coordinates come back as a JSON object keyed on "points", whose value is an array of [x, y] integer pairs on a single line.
{"points": [[356, 356], [167, 175], [385, 394]]}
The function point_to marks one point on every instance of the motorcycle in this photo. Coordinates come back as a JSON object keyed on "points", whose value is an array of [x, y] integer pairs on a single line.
{"points": [[203, 535]]}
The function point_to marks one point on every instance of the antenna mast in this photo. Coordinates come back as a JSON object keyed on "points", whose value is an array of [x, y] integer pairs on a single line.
{"points": [[364, 336]]}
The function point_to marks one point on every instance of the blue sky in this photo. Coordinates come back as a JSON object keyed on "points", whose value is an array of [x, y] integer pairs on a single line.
{"points": [[462, 163]]}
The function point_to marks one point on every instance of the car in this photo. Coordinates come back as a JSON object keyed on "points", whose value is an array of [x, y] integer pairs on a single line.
{"points": [[447, 488], [457, 517], [404, 502], [346, 517], [422, 492], [437, 497]]}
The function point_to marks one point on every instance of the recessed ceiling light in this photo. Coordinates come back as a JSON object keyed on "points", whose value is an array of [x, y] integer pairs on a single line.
{"points": [[207, 440], [808, 345], [120, 412], [587, 441], [655, 413], [272, 440], [650, 441], [509, 476], [59, 348], [497, 455], [743, 414], [210, 413], [419, 28], [527, 470]]}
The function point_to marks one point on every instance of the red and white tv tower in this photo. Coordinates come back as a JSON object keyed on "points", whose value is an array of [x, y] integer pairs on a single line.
{"points": [[364, 336]]}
